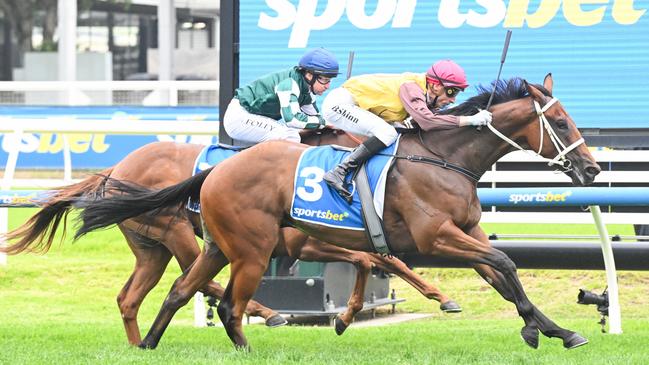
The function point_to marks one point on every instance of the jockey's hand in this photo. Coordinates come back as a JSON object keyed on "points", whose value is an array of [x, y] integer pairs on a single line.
{"points": [[313, 122], [481, 118], [323, 123]]}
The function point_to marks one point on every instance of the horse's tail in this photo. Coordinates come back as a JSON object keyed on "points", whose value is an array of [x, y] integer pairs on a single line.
{"points": [[37, 234], [128, 201]]}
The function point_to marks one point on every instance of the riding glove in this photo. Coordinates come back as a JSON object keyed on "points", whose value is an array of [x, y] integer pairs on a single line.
{"points": [[483, 117], [313, 122]]}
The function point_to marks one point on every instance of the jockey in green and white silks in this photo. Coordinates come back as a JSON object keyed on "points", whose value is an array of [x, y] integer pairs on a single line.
{"points": [[280, 104]]}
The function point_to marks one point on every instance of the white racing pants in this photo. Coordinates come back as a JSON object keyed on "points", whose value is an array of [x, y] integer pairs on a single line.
{"points": [[245, 126], [340, 110]]}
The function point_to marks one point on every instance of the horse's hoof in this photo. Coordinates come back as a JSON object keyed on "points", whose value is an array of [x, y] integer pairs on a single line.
{"points": [[575, 340], [242, 348], [275, 321], [531, 336], [340, 326], [450, 307], [146, 346]]}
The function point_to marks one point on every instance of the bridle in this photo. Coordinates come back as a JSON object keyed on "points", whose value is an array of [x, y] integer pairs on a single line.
{"points": [[561, 148]]}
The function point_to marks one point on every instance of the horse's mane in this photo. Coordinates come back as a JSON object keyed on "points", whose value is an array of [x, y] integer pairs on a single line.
{"points": [[506, 90]]}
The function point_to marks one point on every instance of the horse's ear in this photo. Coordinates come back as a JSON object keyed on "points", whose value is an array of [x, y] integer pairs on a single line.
{"points": [[548, 82], [533, 91]]}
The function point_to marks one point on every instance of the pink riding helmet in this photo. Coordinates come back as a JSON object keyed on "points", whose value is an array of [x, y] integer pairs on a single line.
{"points": [[447, 73]]}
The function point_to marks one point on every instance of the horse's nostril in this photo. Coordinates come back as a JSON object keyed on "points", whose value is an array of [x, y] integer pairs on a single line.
{"points": [[593, 170]]}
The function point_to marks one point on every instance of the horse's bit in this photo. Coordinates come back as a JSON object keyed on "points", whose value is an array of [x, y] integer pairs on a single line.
{"points": [[562, 150]]}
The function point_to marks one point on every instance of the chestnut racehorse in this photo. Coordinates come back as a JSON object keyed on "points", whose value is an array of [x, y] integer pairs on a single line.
{"points": [[431, 204], [154, 240]]}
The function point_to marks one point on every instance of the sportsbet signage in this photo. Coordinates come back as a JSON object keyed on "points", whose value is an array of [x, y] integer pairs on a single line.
{"points": [[588, 45], [303, 17], [545, 197]]}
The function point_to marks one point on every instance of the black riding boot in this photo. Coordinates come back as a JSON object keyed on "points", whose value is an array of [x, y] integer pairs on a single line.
{"points": [[336, 177]]}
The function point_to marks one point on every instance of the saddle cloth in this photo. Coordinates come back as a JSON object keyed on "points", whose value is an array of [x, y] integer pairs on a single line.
{"points": [[315, 202], [209, 156]]}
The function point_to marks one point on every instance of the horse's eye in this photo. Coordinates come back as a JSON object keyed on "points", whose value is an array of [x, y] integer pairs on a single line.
{"points": [[561, 124]]}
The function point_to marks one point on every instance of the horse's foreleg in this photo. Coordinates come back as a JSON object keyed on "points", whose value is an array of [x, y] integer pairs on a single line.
{"points": [[150, 264], [395, 266], [537, 320], [206, 266], [452, 242]]}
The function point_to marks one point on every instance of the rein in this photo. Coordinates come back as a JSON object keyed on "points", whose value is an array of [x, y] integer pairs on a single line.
{"points": [[443, 164], [435, 162], [558, 145], [559, 160], [352, 137]]}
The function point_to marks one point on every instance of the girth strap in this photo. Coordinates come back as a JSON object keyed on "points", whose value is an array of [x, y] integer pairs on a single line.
{"points": [[375, 232]]}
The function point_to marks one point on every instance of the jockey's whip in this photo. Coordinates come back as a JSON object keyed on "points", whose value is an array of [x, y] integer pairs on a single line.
{"points": [[350, 63], [502, 62]]}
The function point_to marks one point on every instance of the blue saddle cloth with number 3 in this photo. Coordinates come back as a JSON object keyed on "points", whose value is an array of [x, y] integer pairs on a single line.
{"points": [[315, 202]]}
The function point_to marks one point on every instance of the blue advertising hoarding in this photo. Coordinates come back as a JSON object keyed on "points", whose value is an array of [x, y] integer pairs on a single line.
{"points": [[95, 151], [597, 50]]}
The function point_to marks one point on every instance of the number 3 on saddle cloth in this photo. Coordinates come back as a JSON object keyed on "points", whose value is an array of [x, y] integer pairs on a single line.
{"points": [[315, 202]]}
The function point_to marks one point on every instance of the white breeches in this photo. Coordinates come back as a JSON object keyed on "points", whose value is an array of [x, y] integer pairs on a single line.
{"points": [[245, 126], [340, 110]]}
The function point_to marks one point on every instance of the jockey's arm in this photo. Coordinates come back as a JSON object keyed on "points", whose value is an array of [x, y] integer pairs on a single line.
{"points": [[413, 100], [288, 93]]}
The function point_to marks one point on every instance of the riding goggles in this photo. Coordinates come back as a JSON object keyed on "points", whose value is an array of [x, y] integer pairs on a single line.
{"points": [[323, 80], [452, 92]]}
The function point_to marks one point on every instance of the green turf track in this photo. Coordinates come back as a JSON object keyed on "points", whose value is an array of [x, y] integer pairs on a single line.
{"points": [[60, 309]]}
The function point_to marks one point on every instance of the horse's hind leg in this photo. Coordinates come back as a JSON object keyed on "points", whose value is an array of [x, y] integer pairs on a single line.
{"points": [[206, 266], [249, 249], [314, 250], [395, 266], [182, 242], [311, 249], [244, 279], [150, 264]]}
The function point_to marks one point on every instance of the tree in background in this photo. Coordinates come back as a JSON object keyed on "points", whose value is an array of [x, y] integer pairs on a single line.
{"points": [[22, 18], [20, 14]]}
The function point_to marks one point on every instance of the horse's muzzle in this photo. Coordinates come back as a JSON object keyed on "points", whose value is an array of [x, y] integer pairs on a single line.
{"points": [[585, 175], [591, 172]]}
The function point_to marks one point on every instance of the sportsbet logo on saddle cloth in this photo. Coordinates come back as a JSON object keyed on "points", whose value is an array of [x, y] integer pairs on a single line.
{"points": [[315, 202]]}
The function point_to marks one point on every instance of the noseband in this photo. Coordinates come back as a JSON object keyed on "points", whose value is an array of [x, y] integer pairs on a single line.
{"points": [[561, 148]]}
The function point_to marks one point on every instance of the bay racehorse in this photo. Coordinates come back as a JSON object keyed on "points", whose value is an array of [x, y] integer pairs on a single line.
{"points": [[431, 204], [155, 239]]}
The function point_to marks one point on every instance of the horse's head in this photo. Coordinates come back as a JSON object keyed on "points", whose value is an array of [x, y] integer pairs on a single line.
{"points": [[556, 137]]}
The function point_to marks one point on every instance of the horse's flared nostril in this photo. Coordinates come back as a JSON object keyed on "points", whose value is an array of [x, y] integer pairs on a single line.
{"points": [[592, 171]]}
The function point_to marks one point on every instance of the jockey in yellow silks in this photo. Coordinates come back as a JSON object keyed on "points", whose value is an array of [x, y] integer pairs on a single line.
{"points": [[368, 104]]}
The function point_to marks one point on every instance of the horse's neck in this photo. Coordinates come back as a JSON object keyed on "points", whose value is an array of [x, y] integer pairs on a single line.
{"points": [[477, 150]]}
